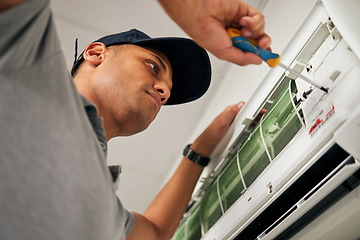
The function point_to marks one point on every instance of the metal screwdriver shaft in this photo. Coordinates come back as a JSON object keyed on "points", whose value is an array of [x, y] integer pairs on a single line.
{"points": [[302, 77]]}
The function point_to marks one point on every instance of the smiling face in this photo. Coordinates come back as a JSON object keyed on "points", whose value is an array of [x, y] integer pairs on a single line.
{"points": [[128, 84]]}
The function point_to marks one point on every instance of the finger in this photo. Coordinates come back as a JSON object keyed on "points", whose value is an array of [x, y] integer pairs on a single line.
{"points": [[245, 32], [214, 133], [264, 42], [254, 28], [240, 105], [223, 48], [238, 57], [234, 109], [254, 24], [254, 21], [263, 111], [231, 112]]}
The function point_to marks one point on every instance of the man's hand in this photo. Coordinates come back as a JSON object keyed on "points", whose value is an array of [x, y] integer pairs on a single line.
{"points": [[205, 21], [206, 143]]}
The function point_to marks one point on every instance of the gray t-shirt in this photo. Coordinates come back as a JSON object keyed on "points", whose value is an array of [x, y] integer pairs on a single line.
{"points": [[54, 181]]}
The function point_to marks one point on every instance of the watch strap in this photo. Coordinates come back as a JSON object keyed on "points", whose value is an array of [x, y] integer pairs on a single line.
{"points": [[195, 157]]}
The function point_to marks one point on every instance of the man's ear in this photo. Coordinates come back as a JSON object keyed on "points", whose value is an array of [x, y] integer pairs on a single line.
{"points": [[94, 53]]}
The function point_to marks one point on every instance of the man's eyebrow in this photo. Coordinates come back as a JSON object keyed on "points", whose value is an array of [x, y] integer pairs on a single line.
{"points": [[161, 62]]}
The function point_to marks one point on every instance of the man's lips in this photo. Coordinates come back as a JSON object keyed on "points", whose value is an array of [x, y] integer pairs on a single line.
{"points": [[156, 98]]}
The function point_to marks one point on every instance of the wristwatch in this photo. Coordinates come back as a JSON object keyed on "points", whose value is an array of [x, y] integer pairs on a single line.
{"points": [[195, 157]]}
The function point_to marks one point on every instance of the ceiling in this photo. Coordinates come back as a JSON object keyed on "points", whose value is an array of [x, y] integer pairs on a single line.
{"points": [[146, 158]]}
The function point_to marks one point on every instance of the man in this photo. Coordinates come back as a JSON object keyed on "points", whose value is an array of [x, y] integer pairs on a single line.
{"points": [[184, 71], [54, 180]]}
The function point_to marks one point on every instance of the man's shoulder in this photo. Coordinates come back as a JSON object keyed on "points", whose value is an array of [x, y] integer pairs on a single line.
{"points": [[27, 35]]}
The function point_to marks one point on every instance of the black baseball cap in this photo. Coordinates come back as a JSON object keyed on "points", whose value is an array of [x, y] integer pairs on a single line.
{"points": [[191, 69]]}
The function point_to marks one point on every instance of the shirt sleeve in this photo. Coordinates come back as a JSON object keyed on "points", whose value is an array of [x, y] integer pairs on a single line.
{"points": [[129, 218], [25, 35]]}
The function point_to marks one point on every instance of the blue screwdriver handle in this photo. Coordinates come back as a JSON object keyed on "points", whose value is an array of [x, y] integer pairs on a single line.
{"points": [[251, 45]]}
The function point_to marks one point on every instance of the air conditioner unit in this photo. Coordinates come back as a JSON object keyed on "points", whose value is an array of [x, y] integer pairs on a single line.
{"points": [[294, 174]]}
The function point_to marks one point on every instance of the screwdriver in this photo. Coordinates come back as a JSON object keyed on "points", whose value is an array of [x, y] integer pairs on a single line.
{"points": [[272, 59]]}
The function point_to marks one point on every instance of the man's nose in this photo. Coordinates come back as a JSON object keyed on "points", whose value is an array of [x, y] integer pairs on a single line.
{"points": [[163, 90]]}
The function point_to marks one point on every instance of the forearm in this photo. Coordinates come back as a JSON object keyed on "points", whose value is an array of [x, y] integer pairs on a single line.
{"points": [[179, 10], [162, 217], [168, 207], [164, 214]]}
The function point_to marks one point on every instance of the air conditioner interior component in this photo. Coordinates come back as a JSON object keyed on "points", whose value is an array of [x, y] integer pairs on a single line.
{"points": [[270, 136]]}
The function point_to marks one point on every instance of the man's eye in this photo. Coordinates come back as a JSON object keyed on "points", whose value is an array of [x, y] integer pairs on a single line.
{"points": [[154, 67]]}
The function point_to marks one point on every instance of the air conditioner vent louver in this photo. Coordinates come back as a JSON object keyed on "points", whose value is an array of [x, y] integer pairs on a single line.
{"points": [[286, 203]]}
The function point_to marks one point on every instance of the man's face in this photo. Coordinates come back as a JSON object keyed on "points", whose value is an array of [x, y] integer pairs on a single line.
{"points": [[132, 83]]}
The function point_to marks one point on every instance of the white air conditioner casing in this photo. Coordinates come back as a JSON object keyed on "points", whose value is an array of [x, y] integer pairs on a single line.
{"points": [[326, 49]]}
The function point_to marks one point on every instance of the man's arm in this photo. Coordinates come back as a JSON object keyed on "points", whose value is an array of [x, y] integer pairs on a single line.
{"points": [[205, 21], [6, 4], [162, 217]]}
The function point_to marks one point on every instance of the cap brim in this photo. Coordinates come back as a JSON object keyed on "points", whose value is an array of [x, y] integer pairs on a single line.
{"points": [[190, 64]]}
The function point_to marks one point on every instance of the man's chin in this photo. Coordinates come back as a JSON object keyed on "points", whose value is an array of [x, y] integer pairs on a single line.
{"points": [[142, 127]]}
